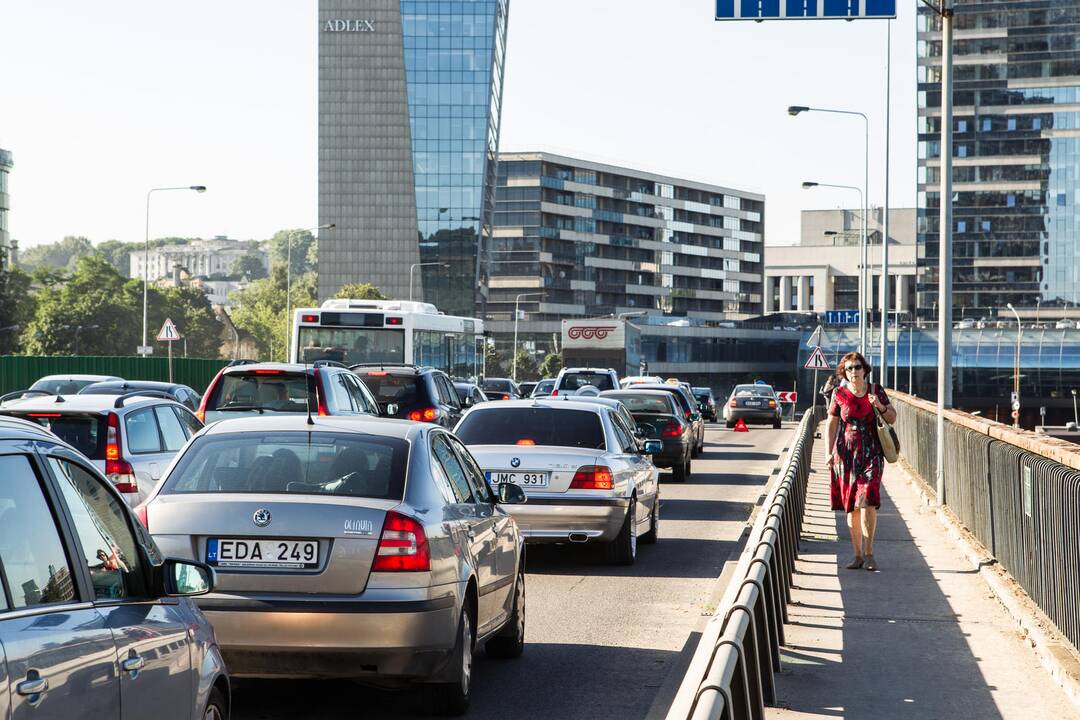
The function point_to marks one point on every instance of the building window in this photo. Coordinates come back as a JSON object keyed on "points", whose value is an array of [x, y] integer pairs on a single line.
{"points": [[1036, 123], [961, 151], [1061, 199], [961, 126], [986, 124], [961, 226], [986, 226], [1012, 124], [1010, 200]]}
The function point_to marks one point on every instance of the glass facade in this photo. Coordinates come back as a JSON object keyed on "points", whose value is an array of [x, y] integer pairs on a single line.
{"points": [[454, 55], [1016, 137]]}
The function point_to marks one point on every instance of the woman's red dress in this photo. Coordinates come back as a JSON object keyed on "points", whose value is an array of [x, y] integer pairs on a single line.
{"points": [[855, 475]]}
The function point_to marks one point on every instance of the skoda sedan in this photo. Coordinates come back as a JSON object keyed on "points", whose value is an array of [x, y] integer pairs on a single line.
{"points": [[368, 549]]}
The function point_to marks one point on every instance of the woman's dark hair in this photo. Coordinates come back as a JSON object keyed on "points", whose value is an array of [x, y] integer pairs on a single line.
{"points": [[841, 375]]}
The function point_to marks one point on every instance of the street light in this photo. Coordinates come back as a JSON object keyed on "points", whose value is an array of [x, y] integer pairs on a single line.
{"points": [[794, 110], [416, 265], [144, 349], [1016, 366], [863, 289], [288, 279], [517, 301]]}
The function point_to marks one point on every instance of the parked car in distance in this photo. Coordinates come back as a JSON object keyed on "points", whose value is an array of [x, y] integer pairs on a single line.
{"points": [[96, 623], [351, 548], [131, 439], [469, 393], [706, 402], [570, 380], [753, 404], [689, 408], [526, 388], [613, 403], [57, 385], [182, 394], [640, 380], [322, 388], [543, 388], [659, 417], [500, 389], [409, 392], [585, 476]]}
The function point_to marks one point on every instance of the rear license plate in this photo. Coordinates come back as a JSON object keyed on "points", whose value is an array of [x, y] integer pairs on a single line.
{"points": [[525, 479], [752, 403], [237, 552]]}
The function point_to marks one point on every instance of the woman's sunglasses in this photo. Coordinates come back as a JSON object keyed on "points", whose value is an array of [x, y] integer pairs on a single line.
{"points": [[849, 368]]}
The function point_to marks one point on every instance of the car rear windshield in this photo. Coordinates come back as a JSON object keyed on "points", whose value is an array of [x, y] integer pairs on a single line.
{"points": [[406, 391], [574, 381], [60, 386], [561, 427], [641, 402], [277, 391], [544, 387], [496, 385], [754, 391], [84, 431], [317, 463]]}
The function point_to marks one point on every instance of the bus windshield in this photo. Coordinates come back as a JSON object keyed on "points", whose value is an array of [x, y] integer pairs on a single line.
{"points": [[352, 345]]}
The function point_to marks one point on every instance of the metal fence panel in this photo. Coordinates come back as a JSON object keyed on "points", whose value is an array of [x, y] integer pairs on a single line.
{"points": [[20, 371]]}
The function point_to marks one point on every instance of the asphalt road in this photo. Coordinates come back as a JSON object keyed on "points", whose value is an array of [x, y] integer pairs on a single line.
{"points": [[601, 640]]}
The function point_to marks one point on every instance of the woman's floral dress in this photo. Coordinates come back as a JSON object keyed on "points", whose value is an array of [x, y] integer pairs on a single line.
{"points": [[855, 475]]}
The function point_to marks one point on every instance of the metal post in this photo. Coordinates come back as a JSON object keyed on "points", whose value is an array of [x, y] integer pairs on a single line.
{"points": [[1016, 364], [868, 293], [885, 219], [169, 343], [944, 384], [896, 355], [146, 272], [1076, 418], [910, 358], [517, 301], [288, 293]]}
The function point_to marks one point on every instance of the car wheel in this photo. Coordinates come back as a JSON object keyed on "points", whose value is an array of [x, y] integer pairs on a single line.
{"points": [[653, 535], [216, 707], [777, 425], [681, 473], [623, 549], [730, 424], [448, 699], [510, 642]]}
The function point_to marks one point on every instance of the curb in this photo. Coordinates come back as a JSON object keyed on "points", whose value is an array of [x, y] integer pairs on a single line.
{"points": [[1055, 653]]}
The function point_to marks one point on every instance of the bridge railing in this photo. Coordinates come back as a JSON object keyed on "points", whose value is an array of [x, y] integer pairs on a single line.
{"points": [[731, 672], [1017, 492]]}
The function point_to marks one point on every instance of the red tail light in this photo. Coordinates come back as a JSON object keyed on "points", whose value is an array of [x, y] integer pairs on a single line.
{"points": [[429, 414], [118, 470], [43, 415], [309, 318], [403, 546], [733, 403], [592, 477], [201, 412], [772, 403], [268, 372], [377, 373], [320, 396], [526, 442], [688, 413], [555, 393], [140, 512], [672, 429], [394, 321]]}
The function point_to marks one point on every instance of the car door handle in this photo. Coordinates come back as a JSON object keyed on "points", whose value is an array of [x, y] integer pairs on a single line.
{"points": [[34, 686], [132, 664]]}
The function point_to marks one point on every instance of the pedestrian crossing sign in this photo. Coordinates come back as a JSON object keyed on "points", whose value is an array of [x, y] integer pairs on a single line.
{"points": [[817, 361], [168, 332]]}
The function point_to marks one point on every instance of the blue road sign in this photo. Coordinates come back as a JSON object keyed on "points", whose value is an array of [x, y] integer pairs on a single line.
{"points": [[841, 317], [804, 9]]}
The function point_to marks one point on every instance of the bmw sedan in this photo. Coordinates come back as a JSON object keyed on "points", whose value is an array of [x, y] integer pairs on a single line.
{"points": [[585, 476], [368, 549]]}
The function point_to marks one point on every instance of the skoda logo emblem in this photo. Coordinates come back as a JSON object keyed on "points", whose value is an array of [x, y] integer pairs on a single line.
{"points": [[261, 518], [514, 462]]}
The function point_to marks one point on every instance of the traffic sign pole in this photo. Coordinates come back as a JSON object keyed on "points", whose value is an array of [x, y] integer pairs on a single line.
{"points": [[170, 361]]}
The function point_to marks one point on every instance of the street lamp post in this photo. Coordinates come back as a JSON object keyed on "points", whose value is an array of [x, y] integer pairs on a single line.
{"points": [[517, 301], [1016, 366], [416, 265], [863, 289], [146, 260], [1076, 418], [288, 279], [794, 110]]}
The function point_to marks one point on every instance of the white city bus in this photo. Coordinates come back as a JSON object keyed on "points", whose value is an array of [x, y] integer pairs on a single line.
{"points": [[388, 331]]}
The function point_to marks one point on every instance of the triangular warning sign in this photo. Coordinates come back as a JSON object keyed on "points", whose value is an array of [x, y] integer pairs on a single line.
{"points": [[168, 332], [817, 361], [740, 426]]}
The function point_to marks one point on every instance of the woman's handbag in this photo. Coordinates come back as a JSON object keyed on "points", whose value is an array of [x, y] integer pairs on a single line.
{"points": [[890, 444]]}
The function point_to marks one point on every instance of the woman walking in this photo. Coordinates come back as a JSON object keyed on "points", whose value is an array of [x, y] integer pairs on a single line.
{"points": [[855, 457]]}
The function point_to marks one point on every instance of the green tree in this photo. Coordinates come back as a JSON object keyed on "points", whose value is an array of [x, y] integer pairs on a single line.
{"points": [[16, 309], [526, 365], [551, 365], [117, 254], [250, 265], [302, 243], [260, 309], [493, 366], [191, 312], [360, 291], [61, 255]]}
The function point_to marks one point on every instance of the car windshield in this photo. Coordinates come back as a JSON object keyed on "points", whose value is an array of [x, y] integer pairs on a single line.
{"points": [[405, 391], [267, 390], [641, 402], [753, 391], [561, 427], [316, 463], [85, 432], [574, 381]]}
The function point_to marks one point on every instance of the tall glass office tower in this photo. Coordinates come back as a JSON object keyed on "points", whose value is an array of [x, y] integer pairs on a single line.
{"points": [[1016, 138], [410, 97]]}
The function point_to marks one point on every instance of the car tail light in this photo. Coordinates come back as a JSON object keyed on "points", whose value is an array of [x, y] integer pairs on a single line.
{"points": [[592, 477], [428, 414], [526, 442], [505, 396], [377, 373], [772, 403], [140, 513], [118, 470], [201, 412], [403, 546], [320, 396], [555, 392], [688, 413], [733, 403], [43, 415], [394, 321], [268, 372], [672, 429], [309, 318]]}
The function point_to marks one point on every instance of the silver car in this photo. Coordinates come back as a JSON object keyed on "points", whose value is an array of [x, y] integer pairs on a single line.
{"points": [[368, 549], [94, 622], [586, 477], [130, 438]]}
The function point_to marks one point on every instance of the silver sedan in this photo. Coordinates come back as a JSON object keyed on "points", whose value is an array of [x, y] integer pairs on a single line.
{"points": [[370, 549]]}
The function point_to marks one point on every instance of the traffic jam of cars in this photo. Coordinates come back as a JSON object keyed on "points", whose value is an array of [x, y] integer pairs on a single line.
{"points": [[312, 521]]}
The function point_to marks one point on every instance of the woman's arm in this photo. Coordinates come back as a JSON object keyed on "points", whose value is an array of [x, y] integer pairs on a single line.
{"points": [[881, 403], [830, 433]]}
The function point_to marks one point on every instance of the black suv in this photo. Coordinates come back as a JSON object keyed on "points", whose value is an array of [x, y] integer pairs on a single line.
{"points": [[423, 394]]}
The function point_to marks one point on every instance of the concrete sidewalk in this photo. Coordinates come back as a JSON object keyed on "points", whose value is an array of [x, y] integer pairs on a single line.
{"points": [[922, 638]]}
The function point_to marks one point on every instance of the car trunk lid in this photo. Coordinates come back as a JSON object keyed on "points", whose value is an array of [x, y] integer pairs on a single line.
{"points": [[560, 463]]}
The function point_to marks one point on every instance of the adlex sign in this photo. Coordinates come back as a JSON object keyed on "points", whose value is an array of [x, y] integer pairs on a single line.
{"points": [[345, 26], [759, 10]]}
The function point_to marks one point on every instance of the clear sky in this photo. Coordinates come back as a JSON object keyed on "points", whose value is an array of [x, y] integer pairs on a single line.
{"points": [[101, 101]]}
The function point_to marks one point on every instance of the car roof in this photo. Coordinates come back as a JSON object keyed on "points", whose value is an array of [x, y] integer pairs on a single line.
{"points": [[403, 429], [636, 390], [12, 428], [614, 404], [540, 402], [753, 385], [566, 371], [659, 387], [286, 367], [76, 376], [79, 403], [137, 384]]}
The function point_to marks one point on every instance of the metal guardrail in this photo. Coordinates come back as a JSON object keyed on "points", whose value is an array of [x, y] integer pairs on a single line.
{"points": [[1021, 505], [731, 673]]}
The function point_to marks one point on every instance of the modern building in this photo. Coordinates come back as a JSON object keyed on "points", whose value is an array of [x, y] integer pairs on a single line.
{"points": [[6, 164], [410, 96], [1016, 138], [822, 272], [199, 258]]}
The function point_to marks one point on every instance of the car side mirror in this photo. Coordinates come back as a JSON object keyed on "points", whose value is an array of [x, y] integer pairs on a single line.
{"points": [[467, 402], [186, 578], [652, 447], [510, 494], [392, 409]]}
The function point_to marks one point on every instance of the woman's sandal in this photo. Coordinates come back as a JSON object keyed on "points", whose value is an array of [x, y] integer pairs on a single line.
{"points": [[855, 564], [871, 565]]}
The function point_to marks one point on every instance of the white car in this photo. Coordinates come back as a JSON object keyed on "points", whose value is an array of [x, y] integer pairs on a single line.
{"points": [[640, 380], [584, 476], [571, 380]]}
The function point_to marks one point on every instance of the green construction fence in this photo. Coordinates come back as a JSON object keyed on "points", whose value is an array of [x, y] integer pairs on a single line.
{"points": [[20, 371]]}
